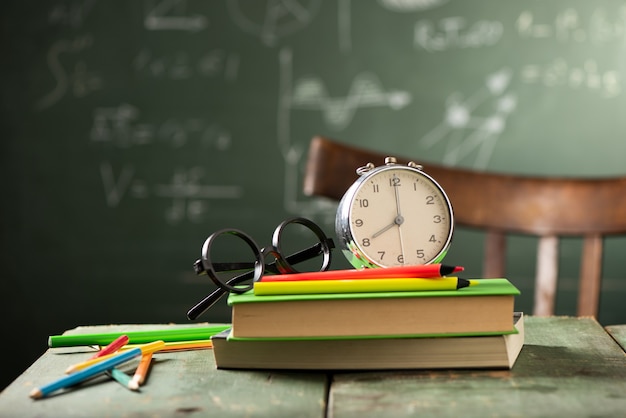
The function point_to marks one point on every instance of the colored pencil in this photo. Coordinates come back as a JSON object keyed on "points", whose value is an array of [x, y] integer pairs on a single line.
{"points": [[360, 286], [113, 347], [419, 271], [181, 345], [142, 372], [89, 372], [120, 377], [150, 347], [138, 337]]}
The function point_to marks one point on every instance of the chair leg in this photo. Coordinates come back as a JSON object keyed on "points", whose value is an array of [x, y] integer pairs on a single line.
{"points": [[495, 254], [546, 276], [590, 276]]}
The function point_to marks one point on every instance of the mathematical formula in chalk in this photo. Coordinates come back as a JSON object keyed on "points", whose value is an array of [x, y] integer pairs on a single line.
{"points": [[188, 190], [122, 127]]}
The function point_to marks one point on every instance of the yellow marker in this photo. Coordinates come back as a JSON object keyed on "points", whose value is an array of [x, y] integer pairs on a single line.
{"points": [[294, 287]]}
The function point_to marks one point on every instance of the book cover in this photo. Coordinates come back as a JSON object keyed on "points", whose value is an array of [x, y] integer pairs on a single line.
{"points": [[496, 351], [482, 309]]}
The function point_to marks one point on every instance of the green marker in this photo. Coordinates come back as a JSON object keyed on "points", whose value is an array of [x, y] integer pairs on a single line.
{"points": [[138, 337]]}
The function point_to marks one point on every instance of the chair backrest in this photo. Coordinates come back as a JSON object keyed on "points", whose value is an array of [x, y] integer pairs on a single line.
{"points": [[500, 204]]}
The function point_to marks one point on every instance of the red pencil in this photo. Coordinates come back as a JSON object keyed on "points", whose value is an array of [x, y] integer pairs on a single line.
{"points": [[113, 347], [420, 271]]}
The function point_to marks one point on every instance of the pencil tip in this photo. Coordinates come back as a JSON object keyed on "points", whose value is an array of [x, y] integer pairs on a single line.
{"points": [[36, 394], [133, 385], [444, 270]]}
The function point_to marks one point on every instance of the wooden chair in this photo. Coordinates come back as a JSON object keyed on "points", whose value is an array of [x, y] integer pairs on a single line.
{"points": [[503, 204]]}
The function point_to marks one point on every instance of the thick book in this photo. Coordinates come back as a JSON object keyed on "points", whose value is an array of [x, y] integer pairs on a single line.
{"points": [[470, 352], [474, 310]]}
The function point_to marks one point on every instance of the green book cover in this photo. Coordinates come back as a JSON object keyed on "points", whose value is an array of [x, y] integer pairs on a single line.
{"points": [[487, 287]]}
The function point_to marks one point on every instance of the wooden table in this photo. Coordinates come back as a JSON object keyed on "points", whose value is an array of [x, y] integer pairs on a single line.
{"points": [[568, 367]]}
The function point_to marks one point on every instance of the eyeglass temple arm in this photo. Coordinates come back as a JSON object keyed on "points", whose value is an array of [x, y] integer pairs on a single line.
{"points": [[295, 258]]}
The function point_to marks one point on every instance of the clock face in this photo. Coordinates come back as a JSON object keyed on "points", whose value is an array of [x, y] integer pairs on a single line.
{"points": [[397, 216]]}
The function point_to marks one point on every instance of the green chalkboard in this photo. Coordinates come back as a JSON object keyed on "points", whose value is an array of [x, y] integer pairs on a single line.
{"points": [[131, 130]]}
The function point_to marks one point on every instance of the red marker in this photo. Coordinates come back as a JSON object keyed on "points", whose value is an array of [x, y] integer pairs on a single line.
{"points": [[420, 271]]}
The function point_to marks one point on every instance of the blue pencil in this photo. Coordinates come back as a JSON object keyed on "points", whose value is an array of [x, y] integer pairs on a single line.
{"points": [[86, 373]]}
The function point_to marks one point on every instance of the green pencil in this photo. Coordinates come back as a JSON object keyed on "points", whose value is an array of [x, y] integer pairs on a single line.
{"points": [[122, 378], [138, 337]]}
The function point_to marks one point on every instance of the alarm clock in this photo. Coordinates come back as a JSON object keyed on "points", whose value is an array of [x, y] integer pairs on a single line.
{"points": [[394, 215]]}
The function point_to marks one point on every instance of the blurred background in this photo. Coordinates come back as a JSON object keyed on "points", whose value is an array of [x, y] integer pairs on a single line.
{"points": [[131, 130]]}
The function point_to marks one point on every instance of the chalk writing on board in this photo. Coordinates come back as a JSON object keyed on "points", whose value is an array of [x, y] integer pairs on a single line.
{"points": [[121, 126], [366, 90], [309, 93], [465, 131], [344, 25], [569, 25], [587, 76], [180, 65], [71, 14], [281, 18], [70, 73], [172, 15], [408, 6], [456, 33], [186, 190]]}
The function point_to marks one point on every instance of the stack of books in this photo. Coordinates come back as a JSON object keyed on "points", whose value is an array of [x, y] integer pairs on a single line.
{"points": [[372, 324]]}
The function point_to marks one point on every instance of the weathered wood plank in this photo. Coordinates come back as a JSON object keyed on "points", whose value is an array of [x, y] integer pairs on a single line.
{"points": [[179, 384], [618, 332], [568, 367]]}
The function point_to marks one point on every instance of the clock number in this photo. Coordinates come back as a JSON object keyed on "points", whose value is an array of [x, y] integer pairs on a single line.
{"points": [[363, 203], [401, 259], [415, 185], [394, 181], [421, 254], [365, 242], [375, 188], [430, 200], [437, 219], [432, 239], [382, 254], [358, 222]]}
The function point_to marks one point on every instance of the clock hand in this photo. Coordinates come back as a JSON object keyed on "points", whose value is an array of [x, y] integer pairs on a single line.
{"points": [[399, 219], [395, 187], [388, 227]]}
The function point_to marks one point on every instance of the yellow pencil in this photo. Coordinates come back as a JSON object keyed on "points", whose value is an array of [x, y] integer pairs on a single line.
{"points": [[145, 348], [142, 371], [187, 345], [180, 345]]}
